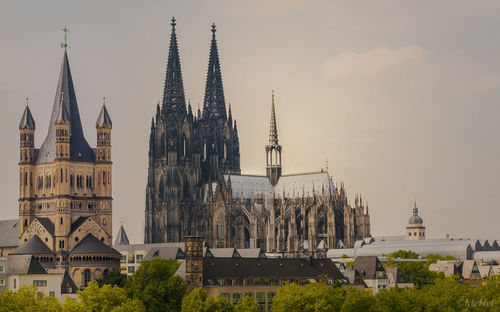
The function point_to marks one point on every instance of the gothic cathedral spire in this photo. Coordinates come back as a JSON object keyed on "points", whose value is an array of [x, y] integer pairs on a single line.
{"points": [[174, 101], [273, 149], [214, 105]]}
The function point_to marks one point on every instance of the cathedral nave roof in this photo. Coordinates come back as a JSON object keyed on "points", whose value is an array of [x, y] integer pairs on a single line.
{"points": [[32, 246]]}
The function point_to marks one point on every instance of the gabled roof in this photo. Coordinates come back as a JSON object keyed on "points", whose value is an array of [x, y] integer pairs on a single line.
{"points": [[75, 225], [367, 266], [396, 274], [47, 224], [268, 268], [121, 237], [468, 267], [68, 286], [27, 121], [224, 253], [79, 148], [33, 246], [9, 233], [24, 264], [103, 120], [251, 253], [173, 253], [91, 245]]}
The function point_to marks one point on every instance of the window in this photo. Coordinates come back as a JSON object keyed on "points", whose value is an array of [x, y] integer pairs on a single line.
{"points": [[61, 220], [139, 258], [249, 294], [270, 296], [2, 282], [2, 269], [226, 295], [123, 259], [15, 283], [40, 283], [86, 277], [104, 221], [236, 297], [52, 293], [131, 269], [261, 300], [104, 178]]}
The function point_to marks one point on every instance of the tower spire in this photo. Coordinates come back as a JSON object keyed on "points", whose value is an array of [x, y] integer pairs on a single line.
{"points": [[273, 149], [214, 105], [174, 101], [273, 129]]}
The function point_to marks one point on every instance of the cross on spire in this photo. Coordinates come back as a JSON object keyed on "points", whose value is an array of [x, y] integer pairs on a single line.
{"points": [[213, 30], [65, 43], [173, 22], [27, 101]]}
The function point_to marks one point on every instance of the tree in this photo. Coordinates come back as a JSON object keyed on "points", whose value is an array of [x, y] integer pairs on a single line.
{"points": [[248, 304], [312, 297], [27, 299], [113, 277], [360, 300], [417, 273], [157, 286], [103, 299], [221, 304], [199, 301]]}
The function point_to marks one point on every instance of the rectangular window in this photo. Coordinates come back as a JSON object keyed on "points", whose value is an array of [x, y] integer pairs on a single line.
{"points": [[131, 269], [2, 268], [52, 293], [40, 283], [236, 297], [270, 296], [123, 259], [139, 258], [261, 300], [226, 295], [249, 294], [2, 282]]}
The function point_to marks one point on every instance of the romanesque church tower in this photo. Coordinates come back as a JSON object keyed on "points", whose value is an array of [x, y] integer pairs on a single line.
{"points": [[65, 199], [187, 149]]}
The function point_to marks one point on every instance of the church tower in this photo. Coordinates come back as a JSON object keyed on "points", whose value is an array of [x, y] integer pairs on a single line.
{"points": [[415, 229], [65, 203], [273, 149]]}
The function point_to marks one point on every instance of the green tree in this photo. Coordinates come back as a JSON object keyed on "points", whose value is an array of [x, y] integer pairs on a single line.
{"points": [[221, 304], [446, 295], [360, 300], [248, 304], [199, 301], [315, 297], [157, 286], [433, 258], [394, 300], [103, 299], [113, 277], [417, 273], [27, 299]]}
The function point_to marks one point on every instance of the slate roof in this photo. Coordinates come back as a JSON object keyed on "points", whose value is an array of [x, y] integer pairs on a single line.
{"points": [[367, 266], [47, 224], [121, 237], [24, 264], [33, 246], [68, 286], [77, 223], [447, 267], [9, 233], [173, 253], [91, 245], [287, 268], [103, 120], [79, 148], [27, 121], [468, 267], [251, 253], [396, 274], [224, 253]]}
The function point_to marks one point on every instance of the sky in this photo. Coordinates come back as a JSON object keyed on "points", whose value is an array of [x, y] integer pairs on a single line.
{"points": [[401, 97]]}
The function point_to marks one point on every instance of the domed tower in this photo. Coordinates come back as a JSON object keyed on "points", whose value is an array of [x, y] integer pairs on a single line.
{"points": [[415, 229]]}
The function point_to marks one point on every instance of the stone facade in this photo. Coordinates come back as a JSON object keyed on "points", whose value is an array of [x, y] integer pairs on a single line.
{"points": [[65, 203], [195, 186]]}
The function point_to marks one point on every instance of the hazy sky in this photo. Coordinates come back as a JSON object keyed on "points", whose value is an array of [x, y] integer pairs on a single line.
{"points": [[402, 97]]}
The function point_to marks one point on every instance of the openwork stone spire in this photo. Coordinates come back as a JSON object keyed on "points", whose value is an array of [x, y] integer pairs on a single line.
{"points": [[273, 129], [214, 105], [174, 101]]}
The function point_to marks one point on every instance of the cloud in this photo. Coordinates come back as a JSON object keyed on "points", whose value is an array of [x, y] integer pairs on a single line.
{"points": [[374, 62]]}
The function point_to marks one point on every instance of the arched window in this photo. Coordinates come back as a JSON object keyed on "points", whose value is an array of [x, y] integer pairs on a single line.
{"points": [[104, 178], [204, 150], [221, 230], [225, 150], [25, 178], [86, 277]]}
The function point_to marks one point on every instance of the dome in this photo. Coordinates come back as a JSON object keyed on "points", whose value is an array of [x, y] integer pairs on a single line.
{"points": [[415, 220]]}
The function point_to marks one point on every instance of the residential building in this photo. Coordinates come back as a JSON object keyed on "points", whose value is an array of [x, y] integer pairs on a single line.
{"points": [[372, 272]]}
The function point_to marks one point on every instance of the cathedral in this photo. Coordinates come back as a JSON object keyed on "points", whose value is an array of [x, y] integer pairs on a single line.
{"points": [[65, 203], [195, 186]]}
